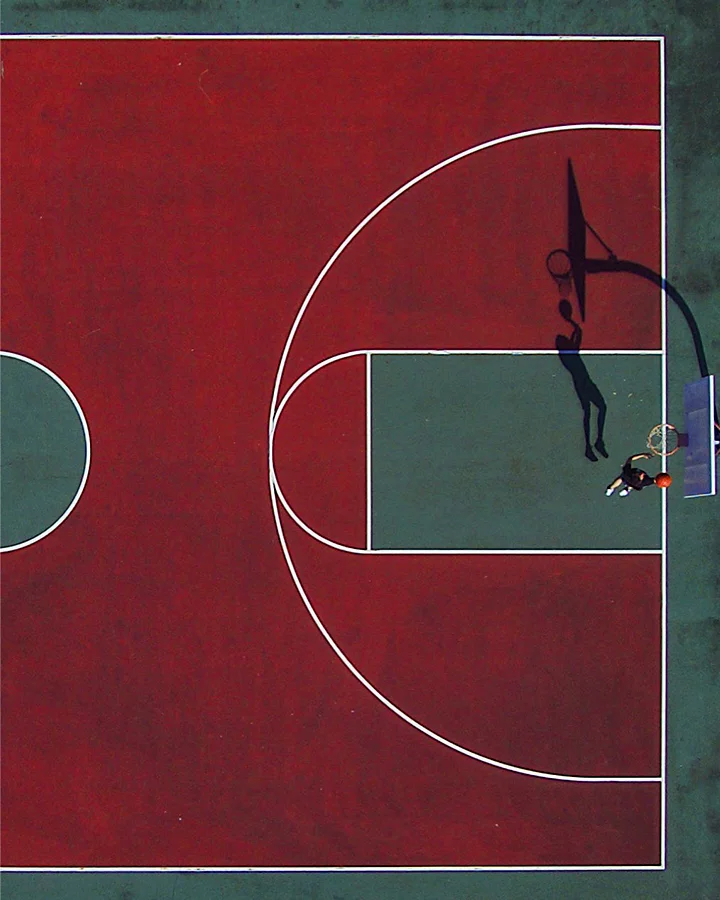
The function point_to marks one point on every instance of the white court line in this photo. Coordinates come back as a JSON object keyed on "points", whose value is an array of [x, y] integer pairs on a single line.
{"points": [[599, 38], [368, 549], [515, 552], [422, 351], [149, 36], [275, 493], [664, 502], [535, 132], [86, 468], [368, 450], [335, 869], [520, 770], [713, 457]]}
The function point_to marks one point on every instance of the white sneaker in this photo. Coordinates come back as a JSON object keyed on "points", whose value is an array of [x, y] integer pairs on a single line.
{"points": [[624, 492], [609, 492]]}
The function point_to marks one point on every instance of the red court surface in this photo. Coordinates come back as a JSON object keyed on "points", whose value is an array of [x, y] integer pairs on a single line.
{"points": [[167, 698]]}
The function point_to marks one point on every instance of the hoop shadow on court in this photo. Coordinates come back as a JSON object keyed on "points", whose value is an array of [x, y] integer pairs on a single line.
{"points": [[587, 391]]}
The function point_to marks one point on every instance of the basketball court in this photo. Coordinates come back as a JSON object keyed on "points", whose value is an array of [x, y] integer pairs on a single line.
{"points": [[304, 502]]}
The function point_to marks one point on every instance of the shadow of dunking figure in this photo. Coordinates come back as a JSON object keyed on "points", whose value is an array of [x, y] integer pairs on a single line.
{"points": [[588, 392]]}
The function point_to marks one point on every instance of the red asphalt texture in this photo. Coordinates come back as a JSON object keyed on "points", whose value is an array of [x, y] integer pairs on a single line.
{"points": [[167, 700]]}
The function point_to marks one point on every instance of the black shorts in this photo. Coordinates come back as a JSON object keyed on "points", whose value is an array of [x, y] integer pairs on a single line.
{"points": [[636, 478]]}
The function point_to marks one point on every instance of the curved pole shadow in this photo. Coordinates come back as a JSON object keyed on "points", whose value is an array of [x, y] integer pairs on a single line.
{"points": [[613, 264], [626, 265]]}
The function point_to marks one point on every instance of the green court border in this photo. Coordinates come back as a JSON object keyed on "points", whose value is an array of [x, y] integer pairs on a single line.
{"points": [[693, 174]]}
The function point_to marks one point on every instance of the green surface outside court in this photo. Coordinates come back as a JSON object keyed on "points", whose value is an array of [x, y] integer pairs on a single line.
{"points": [[693, 181]]}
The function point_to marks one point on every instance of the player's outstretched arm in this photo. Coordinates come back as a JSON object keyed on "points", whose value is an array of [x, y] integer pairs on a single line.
{"points": [[632, 459]]}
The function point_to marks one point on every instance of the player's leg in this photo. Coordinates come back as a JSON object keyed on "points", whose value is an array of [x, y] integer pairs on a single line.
{"points": [[613, 486]]}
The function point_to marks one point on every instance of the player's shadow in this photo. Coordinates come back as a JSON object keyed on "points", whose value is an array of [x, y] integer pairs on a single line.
{"points": [[587, 391]]}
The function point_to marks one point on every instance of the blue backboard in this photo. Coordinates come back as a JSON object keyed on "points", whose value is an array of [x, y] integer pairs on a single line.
{"points": [[700, 458]]}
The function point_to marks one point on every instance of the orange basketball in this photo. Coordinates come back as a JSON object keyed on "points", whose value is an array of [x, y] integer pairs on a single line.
{"points": [[663, 480]]}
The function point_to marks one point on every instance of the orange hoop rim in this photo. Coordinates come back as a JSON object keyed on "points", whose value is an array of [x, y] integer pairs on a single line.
{"points": [[658, 442]]}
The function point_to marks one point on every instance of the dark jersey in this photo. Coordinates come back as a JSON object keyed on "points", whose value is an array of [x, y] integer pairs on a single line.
{"points": [[636, 478]]}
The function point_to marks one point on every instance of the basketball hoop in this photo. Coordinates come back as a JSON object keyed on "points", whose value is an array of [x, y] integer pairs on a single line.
{"points": [[664, 440]]}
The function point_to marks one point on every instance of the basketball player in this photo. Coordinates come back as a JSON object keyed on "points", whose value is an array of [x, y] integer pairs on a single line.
{"points": [[633, 479]]}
